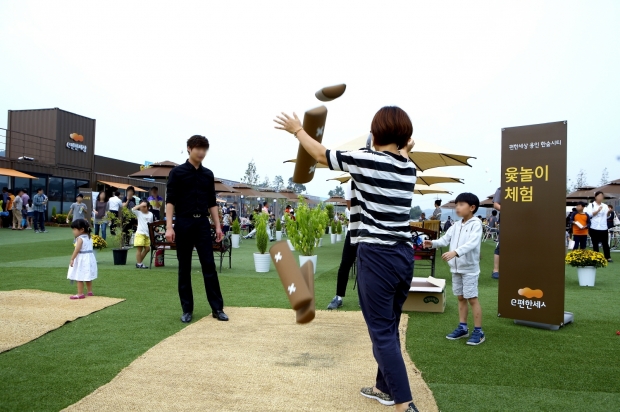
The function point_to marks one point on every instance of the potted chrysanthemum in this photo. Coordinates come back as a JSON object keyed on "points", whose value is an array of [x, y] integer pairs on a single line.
{"points": [[586, 262]]}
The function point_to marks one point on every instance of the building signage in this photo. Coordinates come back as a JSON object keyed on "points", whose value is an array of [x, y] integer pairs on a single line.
{"points": [[77, 138], [531, 285]]}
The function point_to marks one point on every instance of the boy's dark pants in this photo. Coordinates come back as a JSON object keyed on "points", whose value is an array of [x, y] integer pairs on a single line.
{"points": [[580, 241], [384, 276], [190, 232], [39, 221], [349, 252]]}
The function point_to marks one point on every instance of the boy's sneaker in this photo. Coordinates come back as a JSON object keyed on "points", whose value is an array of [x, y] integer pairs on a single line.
{"points": [[37, 231], [458, 334], [141, 266], [335, 303], [476, 338], [382, 398], [412, 408]]}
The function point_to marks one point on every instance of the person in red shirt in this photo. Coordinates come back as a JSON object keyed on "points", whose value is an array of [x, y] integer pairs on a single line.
{"points": [[580, 223]]}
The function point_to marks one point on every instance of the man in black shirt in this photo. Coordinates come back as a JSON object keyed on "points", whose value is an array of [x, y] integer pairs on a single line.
{"points": [[191, 194]]}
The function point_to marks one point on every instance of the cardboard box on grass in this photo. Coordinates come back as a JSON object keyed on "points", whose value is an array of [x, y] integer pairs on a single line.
{"points": [[426, 295]]}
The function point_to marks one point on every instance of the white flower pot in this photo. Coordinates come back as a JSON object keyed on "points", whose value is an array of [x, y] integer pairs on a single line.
{"points": [[304, 259], [338, 238], [235, 240], [586, 275], [290, 245], [318, 242], [333, 238], [278, 235], [262, 262]]}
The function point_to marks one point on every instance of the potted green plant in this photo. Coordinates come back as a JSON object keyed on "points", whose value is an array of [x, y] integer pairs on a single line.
{"points": [[586, 262], [119, 252], [307, 228], [333, 229], [53, 211], [236, 234], [262, 259], [278, 230], [291, 227], [338, 231], [329, 208]]}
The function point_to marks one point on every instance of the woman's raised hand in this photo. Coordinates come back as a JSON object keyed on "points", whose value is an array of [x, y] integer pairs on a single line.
{"points": [[288, 123]]}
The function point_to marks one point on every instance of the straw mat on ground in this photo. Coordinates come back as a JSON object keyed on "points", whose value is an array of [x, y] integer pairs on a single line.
{"points": [[28, 314], [259, 361]]}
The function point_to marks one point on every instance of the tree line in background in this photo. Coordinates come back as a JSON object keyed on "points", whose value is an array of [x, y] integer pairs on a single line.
{"points": [[252, 178], [581, 180]]}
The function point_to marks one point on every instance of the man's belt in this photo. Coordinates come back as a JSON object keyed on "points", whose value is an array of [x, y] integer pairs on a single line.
{"points": [[194, 215]]}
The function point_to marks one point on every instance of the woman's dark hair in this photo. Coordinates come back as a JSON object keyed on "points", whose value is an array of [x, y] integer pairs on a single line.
{"points": [[469, 198], [99, 196], [197, 141], [598, 193], [438, 202], [391, 125], [81, 224]]}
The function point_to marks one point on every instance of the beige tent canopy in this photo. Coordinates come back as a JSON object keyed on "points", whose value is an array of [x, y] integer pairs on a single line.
{"points": [[429, 177], [425, 155], [15, 173]]}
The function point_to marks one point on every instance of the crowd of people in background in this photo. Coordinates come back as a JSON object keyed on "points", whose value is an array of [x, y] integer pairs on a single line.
{"points": [[594, 219], [18, 211]]}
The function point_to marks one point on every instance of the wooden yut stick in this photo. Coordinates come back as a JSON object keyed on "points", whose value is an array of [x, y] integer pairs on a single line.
{"points": [[306, 314], [294, 284], [314, 125]]}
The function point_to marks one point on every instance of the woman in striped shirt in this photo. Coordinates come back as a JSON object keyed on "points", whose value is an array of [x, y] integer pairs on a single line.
{"points": [[382, 190]]}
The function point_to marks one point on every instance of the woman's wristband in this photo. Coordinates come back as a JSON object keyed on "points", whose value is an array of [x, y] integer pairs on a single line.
{"points": [[298, 130]]}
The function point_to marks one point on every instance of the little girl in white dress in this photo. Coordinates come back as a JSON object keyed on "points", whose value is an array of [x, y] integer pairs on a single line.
{"points": [[83, 267]]}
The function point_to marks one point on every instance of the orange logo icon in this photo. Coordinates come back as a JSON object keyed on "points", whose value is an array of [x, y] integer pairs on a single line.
{"points": [[76, 137], [531, 293]]}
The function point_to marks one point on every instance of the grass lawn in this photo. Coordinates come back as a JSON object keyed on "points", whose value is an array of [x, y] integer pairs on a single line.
{"points": [[574, 369]]}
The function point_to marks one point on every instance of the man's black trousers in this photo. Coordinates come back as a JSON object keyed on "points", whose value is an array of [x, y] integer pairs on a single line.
{"points": [[190, 233]]}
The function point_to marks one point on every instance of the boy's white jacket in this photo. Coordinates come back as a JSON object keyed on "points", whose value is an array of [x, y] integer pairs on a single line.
{"points": [[464, 239]]}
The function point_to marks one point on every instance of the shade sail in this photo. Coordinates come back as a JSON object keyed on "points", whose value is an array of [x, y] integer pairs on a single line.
{"points": [[336, 199], [428, 190], [15, 173], [429, 177], [222, 188], [450, 205], [123, 186], [152, 173], [425, 155], [272, 195], [246, 191]]}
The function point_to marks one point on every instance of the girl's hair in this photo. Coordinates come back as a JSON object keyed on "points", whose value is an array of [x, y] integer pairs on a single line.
{"points": [[82, 224], [99, 196], [29, 202]]}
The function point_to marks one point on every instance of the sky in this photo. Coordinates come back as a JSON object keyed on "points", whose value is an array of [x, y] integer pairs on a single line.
{"points": [[153, 73]]}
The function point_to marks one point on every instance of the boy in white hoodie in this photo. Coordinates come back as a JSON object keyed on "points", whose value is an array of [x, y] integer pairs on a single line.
{"points": [[464, 238]]}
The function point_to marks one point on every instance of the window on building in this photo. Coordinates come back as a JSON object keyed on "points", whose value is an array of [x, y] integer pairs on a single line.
{"points": [[54, 195], [68, 194]]}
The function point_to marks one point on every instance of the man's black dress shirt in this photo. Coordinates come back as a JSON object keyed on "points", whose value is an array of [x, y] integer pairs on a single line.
{"points": [[191, 190]]}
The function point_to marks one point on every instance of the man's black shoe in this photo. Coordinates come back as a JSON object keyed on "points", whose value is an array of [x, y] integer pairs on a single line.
{"points": [[187, 317], [220, 315]]}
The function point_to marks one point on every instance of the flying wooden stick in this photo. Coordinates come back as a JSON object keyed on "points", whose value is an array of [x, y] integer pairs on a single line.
{"points": [[306, 314], [330, 93], [314, 125], [292, 279]]}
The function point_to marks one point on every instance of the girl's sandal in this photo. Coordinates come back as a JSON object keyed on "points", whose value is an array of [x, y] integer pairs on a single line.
{"points": [[77, 297], [91, 294]]}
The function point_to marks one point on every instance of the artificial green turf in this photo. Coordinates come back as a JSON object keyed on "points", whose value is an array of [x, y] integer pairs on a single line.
{"points": [[518, 368]]}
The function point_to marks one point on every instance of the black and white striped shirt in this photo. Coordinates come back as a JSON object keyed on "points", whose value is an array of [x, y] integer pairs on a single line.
{"points": [[382, 191]]}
